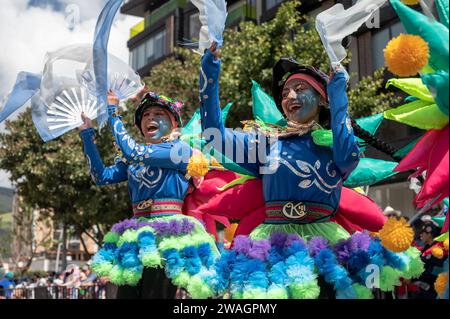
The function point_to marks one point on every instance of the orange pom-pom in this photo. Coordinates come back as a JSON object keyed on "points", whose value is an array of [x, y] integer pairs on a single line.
{"points": [[406, 55], [396, 235], [446, 244], [437, 252], [441, 283]]}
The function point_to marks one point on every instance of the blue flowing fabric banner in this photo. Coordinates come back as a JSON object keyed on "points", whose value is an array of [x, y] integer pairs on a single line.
{"points": [[27, 85], [100, 54]]}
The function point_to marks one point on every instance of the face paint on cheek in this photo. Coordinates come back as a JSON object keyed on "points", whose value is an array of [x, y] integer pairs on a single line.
{"points": [[309, 101], [165, 127]]}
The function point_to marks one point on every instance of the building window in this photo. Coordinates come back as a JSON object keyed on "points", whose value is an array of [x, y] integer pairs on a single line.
{"points": [[149, 51], [272, 3], [379, 41], [194, 26]]}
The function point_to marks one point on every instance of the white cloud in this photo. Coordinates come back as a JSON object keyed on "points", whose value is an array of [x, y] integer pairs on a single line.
{"points": [[27, 34]]}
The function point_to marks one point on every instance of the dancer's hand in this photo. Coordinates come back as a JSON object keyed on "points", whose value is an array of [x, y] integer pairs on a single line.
{"points": [[112, 98], [138, 98], [87, 122], [216, 52]]}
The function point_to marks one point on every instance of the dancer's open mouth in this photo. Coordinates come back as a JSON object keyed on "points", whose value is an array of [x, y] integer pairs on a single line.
{"points": [[152, 128]]}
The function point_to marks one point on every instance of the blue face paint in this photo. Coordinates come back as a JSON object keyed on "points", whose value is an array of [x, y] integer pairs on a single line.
{"points": [[302, 105], [156, 124], [309, 101]]}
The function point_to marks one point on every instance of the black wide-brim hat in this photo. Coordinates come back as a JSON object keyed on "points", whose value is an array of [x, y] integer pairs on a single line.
{"points": [[286, 67]]}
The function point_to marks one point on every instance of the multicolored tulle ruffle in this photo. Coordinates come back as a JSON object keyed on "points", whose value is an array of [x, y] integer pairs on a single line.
{"points": [[285, 266], [178, 243]]}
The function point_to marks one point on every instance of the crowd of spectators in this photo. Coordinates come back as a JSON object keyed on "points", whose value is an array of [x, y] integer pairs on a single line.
{"points": [[73, 283]]}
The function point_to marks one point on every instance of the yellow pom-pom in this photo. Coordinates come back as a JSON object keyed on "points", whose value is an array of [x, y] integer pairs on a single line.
{"points": [[396, 235], [411, 2], [437, 252], [406, 55], [446, 244], [229, 232], [198, 165], [441, 283]]}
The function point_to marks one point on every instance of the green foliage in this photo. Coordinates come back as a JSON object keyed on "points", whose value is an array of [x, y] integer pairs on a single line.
{"points": [[54, 176], [249, 53]]}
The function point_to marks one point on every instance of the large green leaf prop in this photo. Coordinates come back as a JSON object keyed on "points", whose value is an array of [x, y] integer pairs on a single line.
{"points": [[265, 108], [413, 86], [421, 114], [433, 32], [370, 171], [439, 86]]}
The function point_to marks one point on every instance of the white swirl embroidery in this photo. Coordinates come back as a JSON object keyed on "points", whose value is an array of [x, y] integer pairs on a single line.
{"points": [[148, 179], [205, 81], [307, 171], [121, 131]]}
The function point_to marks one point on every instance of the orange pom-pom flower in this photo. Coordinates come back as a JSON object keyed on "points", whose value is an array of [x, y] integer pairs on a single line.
{"points": [[396, 235], [406, 55], [198, 165], [411, 2], [441, 283], [437, 252]]}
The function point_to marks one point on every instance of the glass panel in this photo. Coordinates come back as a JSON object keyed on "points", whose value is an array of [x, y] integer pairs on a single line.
{"points": [[272, 3], [194, 26], [379, 42]]}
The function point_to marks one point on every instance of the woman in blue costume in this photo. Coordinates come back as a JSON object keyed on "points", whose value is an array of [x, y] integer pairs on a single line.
{"points": [[159, 249], [302, 182]]}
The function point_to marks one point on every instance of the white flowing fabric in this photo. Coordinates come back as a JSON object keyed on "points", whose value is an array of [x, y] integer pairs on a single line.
{"points": [[213, 15], [337, 23], [68, 88]]}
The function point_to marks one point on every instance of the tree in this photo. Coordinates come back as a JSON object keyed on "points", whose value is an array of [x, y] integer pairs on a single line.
{"points": [[249, 53], [54, 178]]}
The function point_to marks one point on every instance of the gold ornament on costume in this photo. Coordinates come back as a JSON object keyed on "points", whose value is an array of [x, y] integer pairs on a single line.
{"points": [[198, 165], [396, 235], [411, 2], [406, 55]]}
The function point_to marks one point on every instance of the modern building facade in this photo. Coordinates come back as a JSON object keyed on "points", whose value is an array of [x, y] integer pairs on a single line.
{"points": [[166, 23]]}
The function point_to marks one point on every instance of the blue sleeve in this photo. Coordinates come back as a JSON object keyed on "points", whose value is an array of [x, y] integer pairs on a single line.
{"points": [[346, 152], [240, 147], [173, 155], [100, 174]]}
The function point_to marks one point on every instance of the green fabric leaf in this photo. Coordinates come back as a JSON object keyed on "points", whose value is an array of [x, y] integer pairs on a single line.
{"points": [[194, 125], [370, 171], [438, 85], [421, 114], [412, 86], [323, 137], [406, 149], [371, 123], [433, 32], [265, 108], [445, 201], [439, 220], [442, 7]]}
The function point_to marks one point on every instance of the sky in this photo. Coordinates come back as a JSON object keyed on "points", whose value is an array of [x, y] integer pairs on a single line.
{"points": [[31, 28]]}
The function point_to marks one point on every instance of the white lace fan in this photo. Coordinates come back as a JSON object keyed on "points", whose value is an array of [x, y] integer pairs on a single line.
{"points": [[64, 113], [122, 79]]}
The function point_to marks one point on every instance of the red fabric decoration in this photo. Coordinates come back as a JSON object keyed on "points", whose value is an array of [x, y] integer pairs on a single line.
{"points": [[430, 154]]}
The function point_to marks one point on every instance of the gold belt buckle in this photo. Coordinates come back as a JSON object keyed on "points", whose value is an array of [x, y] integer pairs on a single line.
{"points": [[294, 211], [145, 204]]}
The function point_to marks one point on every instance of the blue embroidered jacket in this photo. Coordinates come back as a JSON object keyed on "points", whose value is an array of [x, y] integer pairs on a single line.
{"points": [[157, 171], [293, 168]]}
